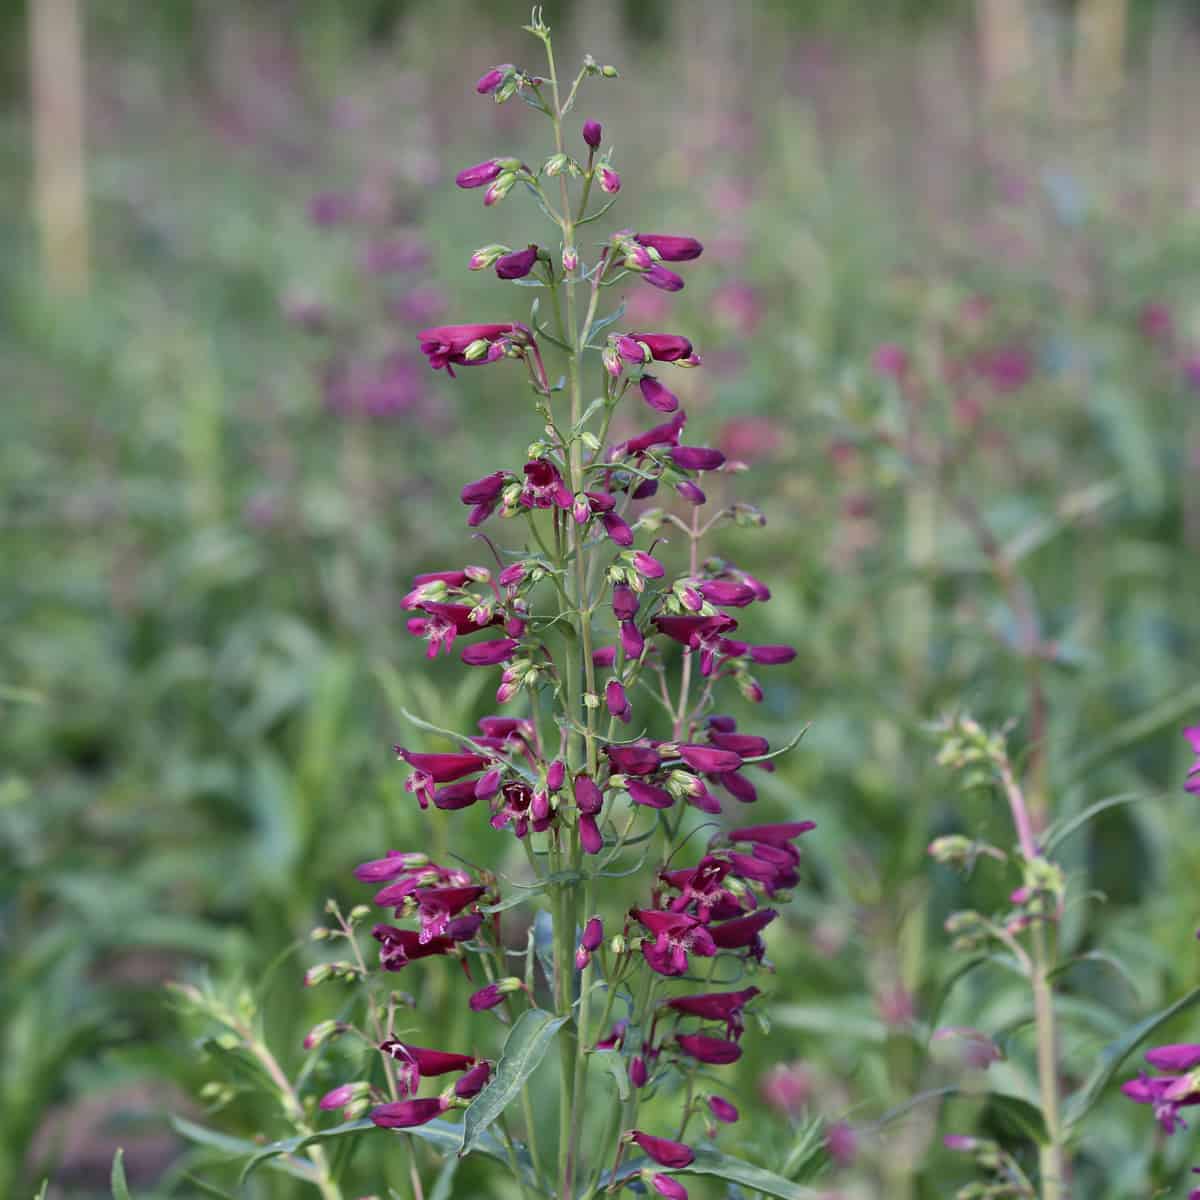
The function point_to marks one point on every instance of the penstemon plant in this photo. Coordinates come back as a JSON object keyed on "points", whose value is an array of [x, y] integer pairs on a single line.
{"points": [[598, 646]]}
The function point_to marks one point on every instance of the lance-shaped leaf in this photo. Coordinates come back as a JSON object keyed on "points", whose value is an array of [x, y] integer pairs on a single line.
{"points": [[294, 1145], [525, 1047], [120, 1189], [1116, 1052], [733, 1170]]}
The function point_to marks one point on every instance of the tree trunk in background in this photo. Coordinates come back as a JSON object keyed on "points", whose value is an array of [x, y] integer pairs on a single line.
{"points": [[59, 194], [1098, 69]]}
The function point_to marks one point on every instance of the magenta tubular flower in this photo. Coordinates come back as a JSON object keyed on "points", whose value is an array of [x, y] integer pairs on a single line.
{"points": [[722, 1109], [472, 1083], [590, 837], [648, 794], [664, 1185], [446, 345], [671, 247], [440, 624], [647, 565], [486, 997], [399, 947], [770, 656], [425, 587], [637, 1071], [556, 775], [485, 490], [457, 795], [617, 702], [771, 835], [660, 277], [338, 1098], [727, 593], [632, 760], [443, 768], [436, 907], [665, 347], [489, 653], [380, 870], [610, 181], [489, 81], [1192, 733], [544, 486], [715, 1051], [657, 396], [407, 1114], [518, 264], [480, 174], [428, 1063], [710, 760], [617, 528], [676, 935], [588, 797], [715, 1006], [632, 641], [666, 434], [741, 931], [625, 602], [593, 934], [1176, 1058], [696, 458], [604, 656], [592, 134], [674, 1155], [690, 492], [748, 745]]}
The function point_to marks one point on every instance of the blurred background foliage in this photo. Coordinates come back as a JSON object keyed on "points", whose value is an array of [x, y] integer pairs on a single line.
{"points": [[222, 461]]}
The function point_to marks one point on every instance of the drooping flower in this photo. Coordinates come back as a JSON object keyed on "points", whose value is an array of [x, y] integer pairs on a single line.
{"points": [[716, 1006], [670, 247], [664, 1185], [481, 173], [518, 264], [665, 1152], [399, 947], [447, 346], [429, 769], [407, 1114], [656, 395], [717, 1052], [472, 1083], [632, 760], [722, 1109], [660, 277], [676, 935]]}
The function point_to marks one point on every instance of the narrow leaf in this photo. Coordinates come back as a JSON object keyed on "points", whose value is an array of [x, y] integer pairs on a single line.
{"points": [[1059, 833], [120, 1189], [524, 1048], [1116, 1052], [293, 1145]]}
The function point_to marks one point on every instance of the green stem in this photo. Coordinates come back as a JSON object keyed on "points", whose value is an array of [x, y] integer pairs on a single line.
{"points": [[1052, 1155]]}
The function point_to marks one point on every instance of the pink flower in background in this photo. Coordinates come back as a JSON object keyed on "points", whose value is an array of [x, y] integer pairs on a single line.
{"points": [[890, 360], [750, 439], [787, 1088], [648, 306], [1191, 371], [416, 306], [1006, 368], [739, 306], [1155, 322], [1192, 733]]}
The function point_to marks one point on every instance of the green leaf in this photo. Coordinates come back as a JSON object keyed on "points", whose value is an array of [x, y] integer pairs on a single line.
{"points": [[1115, 1053], [734, 1170], [614, 1064], [120, 1189], [293, 1145], [1059, 833], [1020, 1114], [1099, 956], [524, 1048], [444, 1186], [235, 1147]]}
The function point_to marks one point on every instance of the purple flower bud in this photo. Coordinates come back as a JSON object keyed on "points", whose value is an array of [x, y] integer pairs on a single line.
{"points": [[714, 1050], [604, 656], [489, 81], [842, 1143], [488, 784], [648, 566], [696, 458], [592, 134], [512, 575], [624, 602], [710, 760], [617, 528], [960, 1141], [570, 260], [590, 837], [632, 641], [658, 276], [593, 934], [556, 773], [486, 997], [645, 489], [518, 264], [670, 1188], [581, 510], [637, 1071], [610, 181], [338, 1098], [479, 174], [588, 797], [722, 1109], [471, 1084], [657, 396], [690, 492], [617, 701], [648, 794]]}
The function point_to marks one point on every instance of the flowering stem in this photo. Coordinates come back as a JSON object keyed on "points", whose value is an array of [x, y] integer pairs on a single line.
{"points": [[1052, 1155]]}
